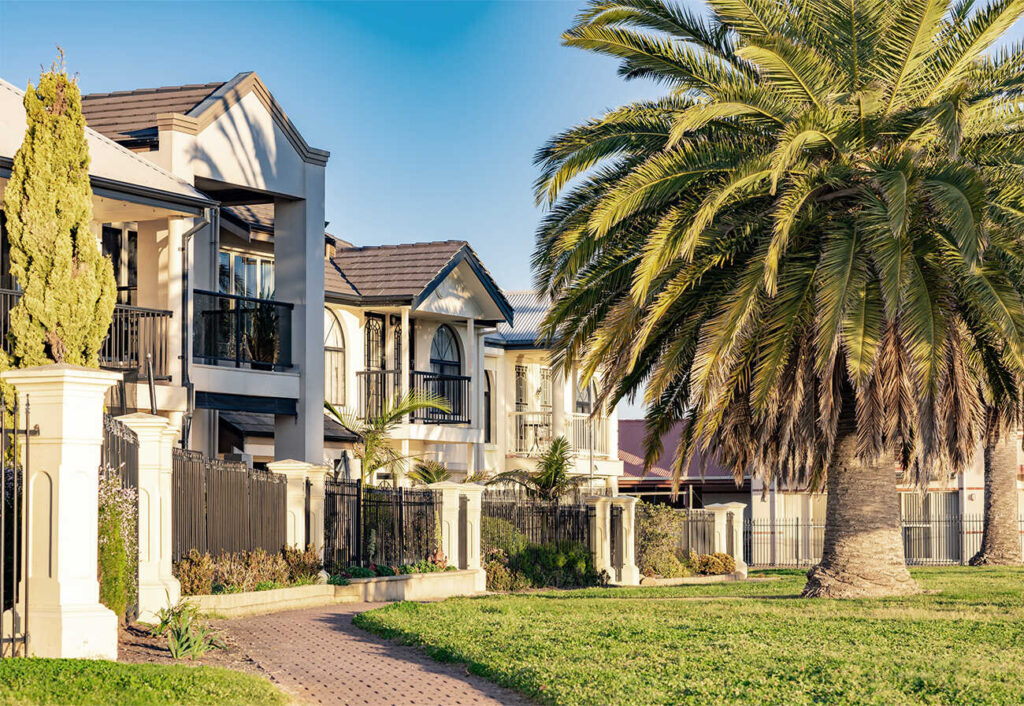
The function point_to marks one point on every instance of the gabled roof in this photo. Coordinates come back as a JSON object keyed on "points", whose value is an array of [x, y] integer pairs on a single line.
{"points": [[524, 332], [403, 273], [114, 171], [130, 116], [135, 117]]}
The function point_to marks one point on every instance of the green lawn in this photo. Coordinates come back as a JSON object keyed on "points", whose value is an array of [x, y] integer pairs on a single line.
{"points": [[737, 643], [69, 681]]}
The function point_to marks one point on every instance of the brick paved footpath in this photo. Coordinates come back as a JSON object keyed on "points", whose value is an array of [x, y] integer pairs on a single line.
{"points": [[318, 656]]}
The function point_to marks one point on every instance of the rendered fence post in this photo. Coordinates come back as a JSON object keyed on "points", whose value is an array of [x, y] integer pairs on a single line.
{"points": [[449, 519], [473, 492], [65, 616], [600, 534], [154, 507], [317, 496], [721, 544], [295, 503], [169, 439], [629, 573]]}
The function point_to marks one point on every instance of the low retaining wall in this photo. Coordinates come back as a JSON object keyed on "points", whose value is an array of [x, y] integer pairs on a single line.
{"points": [[408, 587], [691, 580]]}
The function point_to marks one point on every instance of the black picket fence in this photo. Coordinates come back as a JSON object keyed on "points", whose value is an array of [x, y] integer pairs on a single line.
{"points": [[14, 582], [366, 525], [119, 458], [509, 518], [221, 506]]}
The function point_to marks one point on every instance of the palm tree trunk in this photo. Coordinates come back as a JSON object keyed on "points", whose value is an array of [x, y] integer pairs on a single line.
{"points": [[863, 552], [1000, 542]]}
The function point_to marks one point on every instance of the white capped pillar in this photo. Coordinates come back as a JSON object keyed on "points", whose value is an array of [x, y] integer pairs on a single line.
{"points": [[295, 505]]}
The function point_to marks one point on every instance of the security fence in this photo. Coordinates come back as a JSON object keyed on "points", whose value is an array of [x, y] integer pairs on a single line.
{"points": [[698, 532], [509, 517], [14, 583], [366, 525], [222, 506]]}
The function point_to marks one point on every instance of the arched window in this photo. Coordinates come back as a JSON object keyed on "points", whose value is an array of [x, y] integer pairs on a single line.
{"points": [[444, 352], [334, 359]]}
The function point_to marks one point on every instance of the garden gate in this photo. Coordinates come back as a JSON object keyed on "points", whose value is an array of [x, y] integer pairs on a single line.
{"points": [[14, 578]]}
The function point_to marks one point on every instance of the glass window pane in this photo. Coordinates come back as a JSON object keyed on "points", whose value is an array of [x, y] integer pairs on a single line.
{"points": [[224, 272], [250, 278], [267, 279], [239, 287]]}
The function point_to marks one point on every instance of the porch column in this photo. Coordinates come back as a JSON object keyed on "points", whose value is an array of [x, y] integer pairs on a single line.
{"points": [[404, 383], [299, 279], [317, 491], [600, 534], [295, 504], [557, 404], [470, 372], [65, 616], [629, 574], [154, 507]]}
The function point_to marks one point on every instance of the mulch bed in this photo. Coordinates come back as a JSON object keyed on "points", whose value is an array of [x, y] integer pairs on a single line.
{"points": [[136, 645]]}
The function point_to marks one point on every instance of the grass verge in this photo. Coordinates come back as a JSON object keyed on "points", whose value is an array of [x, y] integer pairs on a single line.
{"points": [[962, 642], [73, 682]]}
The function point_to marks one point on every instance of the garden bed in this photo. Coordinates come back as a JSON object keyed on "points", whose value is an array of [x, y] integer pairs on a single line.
{"points": [[405, 587]]}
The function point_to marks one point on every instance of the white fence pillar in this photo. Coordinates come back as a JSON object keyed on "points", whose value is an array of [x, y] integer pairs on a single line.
{"points": [[154, 506], [169, 439], [295, 505], [628, 572], [449, 519], [723, 530], [600, 534], [65, 617], [317, 492]]}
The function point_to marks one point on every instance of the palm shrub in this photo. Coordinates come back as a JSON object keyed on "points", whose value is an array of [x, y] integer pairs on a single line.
{"points": [[808, 250], [428, 472], [67, 285], [550, 479]]}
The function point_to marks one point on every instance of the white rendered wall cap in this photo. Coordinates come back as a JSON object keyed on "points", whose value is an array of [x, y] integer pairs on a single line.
{"points": [[141, 420], [60, 371]]}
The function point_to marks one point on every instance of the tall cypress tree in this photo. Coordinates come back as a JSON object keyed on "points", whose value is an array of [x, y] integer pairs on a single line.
{"points": [[67, 285]]}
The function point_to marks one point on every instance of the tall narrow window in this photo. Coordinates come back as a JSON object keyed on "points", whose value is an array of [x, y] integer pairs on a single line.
{"points": [[334, 359], [444, 352], [488, 411], [585, 399]]}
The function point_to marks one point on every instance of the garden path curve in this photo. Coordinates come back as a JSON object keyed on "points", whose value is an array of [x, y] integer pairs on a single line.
{"points": [[318, 656]]}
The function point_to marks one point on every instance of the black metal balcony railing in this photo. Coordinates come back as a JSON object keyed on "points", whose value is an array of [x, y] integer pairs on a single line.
{"points": [[453, 388], [376, 387], [241, 331], [136, 335]]}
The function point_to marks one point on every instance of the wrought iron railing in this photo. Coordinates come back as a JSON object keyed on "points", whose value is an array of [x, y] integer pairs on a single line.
{"points": [[377, 387], [137, 335], [531, 432], [454, 389], [241, 331]]}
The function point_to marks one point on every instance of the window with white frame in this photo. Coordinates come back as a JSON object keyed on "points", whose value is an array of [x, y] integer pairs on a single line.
{"points": [[334, 359], [245, 274]]}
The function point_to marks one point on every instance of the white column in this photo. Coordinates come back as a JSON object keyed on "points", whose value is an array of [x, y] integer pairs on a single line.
{"points": [[721, 543], [473, 493], [629, 573], [449, 519], [299, 279], [317, 491], [154, 507], [295, 510], [170, 437], [557, 404], [470, 371], [65, 616], [600, 534]]}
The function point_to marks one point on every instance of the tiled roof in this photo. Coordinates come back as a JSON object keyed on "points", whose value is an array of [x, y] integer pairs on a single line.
{"points": [[530, 310], [108, 160], [257, 215], [400, 271], [254, 424], [131, 115], [631, 453]]}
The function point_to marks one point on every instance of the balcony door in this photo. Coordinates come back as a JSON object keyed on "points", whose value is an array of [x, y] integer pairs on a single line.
{"points": [[121, 245], [376, 387]]}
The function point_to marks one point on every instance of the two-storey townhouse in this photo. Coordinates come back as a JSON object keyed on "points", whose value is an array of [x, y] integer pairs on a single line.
{"points": [[531, 403], [211, 206]]}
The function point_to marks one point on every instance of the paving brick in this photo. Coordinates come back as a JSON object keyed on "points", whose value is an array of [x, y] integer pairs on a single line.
{"points": [[319, 656]]}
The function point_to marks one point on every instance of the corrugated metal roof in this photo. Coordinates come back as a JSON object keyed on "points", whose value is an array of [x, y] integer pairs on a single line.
{"points": [[108, 159], [631, 453], [529, 314]]}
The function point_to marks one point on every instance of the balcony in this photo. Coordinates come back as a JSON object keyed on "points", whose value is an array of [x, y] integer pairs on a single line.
{"points": [[588, 433], [532, 432], [241, 331], [137, 336], [376, 387]]}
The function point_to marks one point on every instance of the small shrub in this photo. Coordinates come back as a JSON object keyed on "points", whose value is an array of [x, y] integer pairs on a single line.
{"points": [[500, 576], [187, 635], [496, 533], [338, 580], [658, 528], [423, 566], [302, 563], [118, 551], [563, 564], [195, 573], [711, 564], [361, 572], [383, 570]]}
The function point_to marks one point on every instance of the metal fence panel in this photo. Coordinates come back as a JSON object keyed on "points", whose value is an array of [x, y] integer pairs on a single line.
{"points": [[515, 516], [14, 581], [698, 532]]}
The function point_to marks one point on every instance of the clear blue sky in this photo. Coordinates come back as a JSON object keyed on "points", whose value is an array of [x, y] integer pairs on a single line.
{"points": [[431, 110]]}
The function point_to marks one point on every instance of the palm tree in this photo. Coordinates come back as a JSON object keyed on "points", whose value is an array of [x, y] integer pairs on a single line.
{"points": [[550, 480], [1000, 540], [374, 448], [427, 472], [809, 249]]}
